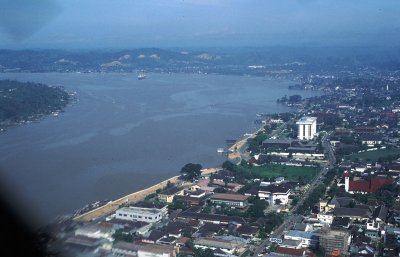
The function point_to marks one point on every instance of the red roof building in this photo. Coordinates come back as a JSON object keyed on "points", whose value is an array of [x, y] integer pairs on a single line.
{"points": [[365, 186], [290, 251]]}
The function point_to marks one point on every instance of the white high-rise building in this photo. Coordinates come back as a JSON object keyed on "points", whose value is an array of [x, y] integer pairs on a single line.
{"points": [[307, 128]]}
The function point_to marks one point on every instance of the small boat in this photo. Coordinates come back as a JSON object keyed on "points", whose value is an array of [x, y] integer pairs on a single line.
{"points": [[220, 150], [141, 75]]}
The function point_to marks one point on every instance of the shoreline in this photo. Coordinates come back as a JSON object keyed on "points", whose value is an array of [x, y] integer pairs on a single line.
{"points": [[111, 206], [133, 197]]}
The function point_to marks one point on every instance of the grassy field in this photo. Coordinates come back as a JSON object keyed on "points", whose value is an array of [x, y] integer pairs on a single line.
{"points": [[292, 173], [375, 155]]}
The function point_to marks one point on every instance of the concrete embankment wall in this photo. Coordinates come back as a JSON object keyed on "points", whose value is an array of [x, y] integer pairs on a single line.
{"points": [[110, 207]]}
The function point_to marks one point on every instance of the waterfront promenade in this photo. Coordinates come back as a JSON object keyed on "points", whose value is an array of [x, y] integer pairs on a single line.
{"points": [[112, 206]]}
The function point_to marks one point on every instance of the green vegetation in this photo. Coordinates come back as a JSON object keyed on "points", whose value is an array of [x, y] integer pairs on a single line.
{"points": [[386, 194], [178, 205], [272, 220], [191, 171], [220, 190], [120, 235], [377, 154], [21, 101], [255, 143], [150, 196], [257, 208], [312, 199]]}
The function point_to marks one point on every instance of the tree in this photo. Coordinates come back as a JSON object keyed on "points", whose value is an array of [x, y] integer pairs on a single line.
{"points": [[192, 171], [178, 204], [294, 98], [220, 190], [256, 210], [203, 253], [119, 235], [278, 201], [228, 166]]}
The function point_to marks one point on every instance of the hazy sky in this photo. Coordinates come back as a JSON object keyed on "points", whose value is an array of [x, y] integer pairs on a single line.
{"points": [[159, 23]]}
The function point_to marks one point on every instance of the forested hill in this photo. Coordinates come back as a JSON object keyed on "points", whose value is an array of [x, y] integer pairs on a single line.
{"points": [[26, 101]]}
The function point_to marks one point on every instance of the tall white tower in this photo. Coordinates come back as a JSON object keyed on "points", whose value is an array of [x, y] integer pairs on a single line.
{"points": [[346, 175], [307, 128]]}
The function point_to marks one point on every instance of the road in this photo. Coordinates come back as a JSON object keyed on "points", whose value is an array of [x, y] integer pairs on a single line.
{"points": [[291, 218]]}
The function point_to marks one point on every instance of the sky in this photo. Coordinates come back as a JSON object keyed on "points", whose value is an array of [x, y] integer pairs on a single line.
{"points": [[90, 24]]}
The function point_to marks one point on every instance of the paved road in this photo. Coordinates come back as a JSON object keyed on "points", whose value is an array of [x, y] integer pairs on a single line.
{"points": [[291, 217]]}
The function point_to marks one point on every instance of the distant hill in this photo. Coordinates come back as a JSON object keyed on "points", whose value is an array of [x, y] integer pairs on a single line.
{"points": [[211, 60]]}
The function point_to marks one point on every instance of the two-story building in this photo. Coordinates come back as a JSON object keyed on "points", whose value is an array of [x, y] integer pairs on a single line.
{"points": [[275, 192], [233, 200], [134, 213]]}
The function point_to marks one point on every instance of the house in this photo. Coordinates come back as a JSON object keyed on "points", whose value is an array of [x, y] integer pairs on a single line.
{"points": [[275, 192], [325, 217], [342, 201], [324, 206], [353, 213], [225, 245], [223, 175], [380, 213], [122, 248], [168, 194], [247, 231], [142, 250], [290, 251], [340, 222], [302, 226], [290, 243], [363, 186], [193, 198], [233, 200], [147, 250], [84, 242], [96, 231], [362, 250]]}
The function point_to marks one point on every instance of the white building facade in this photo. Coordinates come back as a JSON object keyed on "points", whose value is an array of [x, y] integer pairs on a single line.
{"points": [[141, 214], [307, 128]]}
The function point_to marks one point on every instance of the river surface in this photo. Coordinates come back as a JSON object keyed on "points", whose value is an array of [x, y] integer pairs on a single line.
{"points": [[126, 134]]}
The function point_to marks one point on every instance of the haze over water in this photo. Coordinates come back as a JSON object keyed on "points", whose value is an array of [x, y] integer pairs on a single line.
{"points": [[124, 134]]}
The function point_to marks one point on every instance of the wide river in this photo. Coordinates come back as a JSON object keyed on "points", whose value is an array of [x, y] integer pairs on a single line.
{"points": [[125, 134]]}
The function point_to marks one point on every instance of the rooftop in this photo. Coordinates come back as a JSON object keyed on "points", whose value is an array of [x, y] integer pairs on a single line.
{"points": [[302, 234], [306, 120], [229, 197], [170, 191], [138, 210]]}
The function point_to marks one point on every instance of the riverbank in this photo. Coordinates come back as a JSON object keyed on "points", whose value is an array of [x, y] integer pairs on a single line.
{"points": [[236, 150], [112, 206]]}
